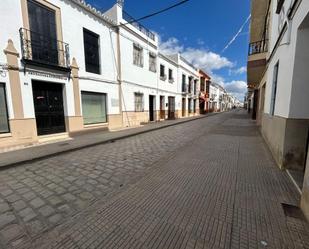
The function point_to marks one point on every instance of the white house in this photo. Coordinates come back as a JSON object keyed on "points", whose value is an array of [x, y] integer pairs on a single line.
{"points": [[59, 70], [168, 94], [188, 86], [138, 48], [68, 68], [278, 80], [214, 94]]}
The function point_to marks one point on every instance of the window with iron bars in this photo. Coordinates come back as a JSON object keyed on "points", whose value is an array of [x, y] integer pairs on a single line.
{"points": [[152, 62], [139, 102], [138, 58]]}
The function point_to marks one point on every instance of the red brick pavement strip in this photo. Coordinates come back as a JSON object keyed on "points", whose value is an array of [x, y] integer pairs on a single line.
{"points": [[222, 191]]}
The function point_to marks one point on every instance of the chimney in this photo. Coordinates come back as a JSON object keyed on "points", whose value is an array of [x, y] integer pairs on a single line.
{"points": [[120, 3]]}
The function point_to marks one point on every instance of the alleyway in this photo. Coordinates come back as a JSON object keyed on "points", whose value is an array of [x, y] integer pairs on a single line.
{"points": [[209, 183]]}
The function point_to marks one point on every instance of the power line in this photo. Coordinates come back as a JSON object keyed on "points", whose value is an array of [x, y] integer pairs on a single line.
{"points": [[155, 13]]}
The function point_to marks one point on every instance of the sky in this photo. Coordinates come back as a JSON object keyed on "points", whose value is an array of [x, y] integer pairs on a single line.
{"points": [[201, 30]]}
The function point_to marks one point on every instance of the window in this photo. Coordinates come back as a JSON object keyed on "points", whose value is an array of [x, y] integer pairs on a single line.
{"points": [[207, 86], [92, 54], [190, 84], [202, 86], [195, 87], [274, 90], [194, 105], [139, 102], [162, 72], [170, 76], [43, 33], [184, 83], [279, 6], [152, 62], [94, 107], [190, 105], [4, 118], [138, 58]]}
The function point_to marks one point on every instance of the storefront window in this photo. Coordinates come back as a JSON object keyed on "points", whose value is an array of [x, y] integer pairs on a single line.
{"points": [[94, 107]]}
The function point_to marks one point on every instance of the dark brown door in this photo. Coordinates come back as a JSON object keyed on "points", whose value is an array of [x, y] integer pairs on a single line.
{"points": [[162, 107], [48, 106], [171, 107], [183, 107], [151, 108]]}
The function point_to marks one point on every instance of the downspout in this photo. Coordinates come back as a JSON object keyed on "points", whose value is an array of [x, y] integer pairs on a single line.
{"points": [[119, 76]]}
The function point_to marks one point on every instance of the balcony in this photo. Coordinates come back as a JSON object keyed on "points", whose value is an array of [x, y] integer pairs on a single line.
{"points": [[45, 51], [256, 61], [138, 26], [258, 47]]}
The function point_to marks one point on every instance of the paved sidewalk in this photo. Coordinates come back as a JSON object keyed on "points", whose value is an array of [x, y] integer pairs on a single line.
{"points": [[221, 191], [37, 196], [36, 152]]}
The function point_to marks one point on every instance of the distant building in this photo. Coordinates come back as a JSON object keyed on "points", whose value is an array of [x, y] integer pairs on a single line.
{"points": [[204, 92]]}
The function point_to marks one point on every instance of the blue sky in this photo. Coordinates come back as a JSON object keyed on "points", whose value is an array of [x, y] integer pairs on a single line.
{"points": [[200, 29]]}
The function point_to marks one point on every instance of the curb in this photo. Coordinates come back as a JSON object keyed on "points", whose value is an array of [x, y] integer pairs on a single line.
{"points": [[111, 140]]}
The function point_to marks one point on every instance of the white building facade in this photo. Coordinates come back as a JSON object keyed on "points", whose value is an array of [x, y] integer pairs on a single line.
{"points": [[67, 68], [59, 69], [281, 95], [188, 86]]}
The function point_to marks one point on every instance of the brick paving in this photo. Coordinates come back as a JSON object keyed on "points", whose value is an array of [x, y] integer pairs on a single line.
{"points": [[38, 151], [210, 183], [36, 197]]}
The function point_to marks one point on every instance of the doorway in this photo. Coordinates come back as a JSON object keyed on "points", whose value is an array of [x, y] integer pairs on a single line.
{"points": [[151, 108], [162, 107], [202, 106], [171, 107], [183, 107], [48, 107]]}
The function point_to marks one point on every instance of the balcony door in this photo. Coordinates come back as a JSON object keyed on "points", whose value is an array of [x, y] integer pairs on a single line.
{"points": [[42, 33]]}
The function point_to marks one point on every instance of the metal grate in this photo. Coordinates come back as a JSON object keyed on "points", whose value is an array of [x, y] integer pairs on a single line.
{"points": [[292, 211]]}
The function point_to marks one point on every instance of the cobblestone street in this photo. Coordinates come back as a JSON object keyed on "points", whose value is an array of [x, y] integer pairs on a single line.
{"points": [[209, 183]]}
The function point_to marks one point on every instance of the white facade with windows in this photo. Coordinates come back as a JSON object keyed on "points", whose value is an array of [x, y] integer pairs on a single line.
{"points": [[169, 96], [138, 68], [286, 84], [214, 96], [38, 70], [67, 68], [282, 99]]}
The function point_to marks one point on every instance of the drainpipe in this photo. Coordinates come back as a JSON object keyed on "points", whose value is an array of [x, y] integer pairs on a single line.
{"points": [[119, 76]]}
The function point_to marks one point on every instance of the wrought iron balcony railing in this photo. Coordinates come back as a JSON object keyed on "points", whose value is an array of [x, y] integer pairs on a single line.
{"points": [[139, 26], [258, 47], [43, 50]]}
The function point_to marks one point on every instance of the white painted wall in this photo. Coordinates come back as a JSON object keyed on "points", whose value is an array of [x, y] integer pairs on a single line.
{"points": [[166, 88], [10, 22], [292, 85], [74, 19], [165, 85]]}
